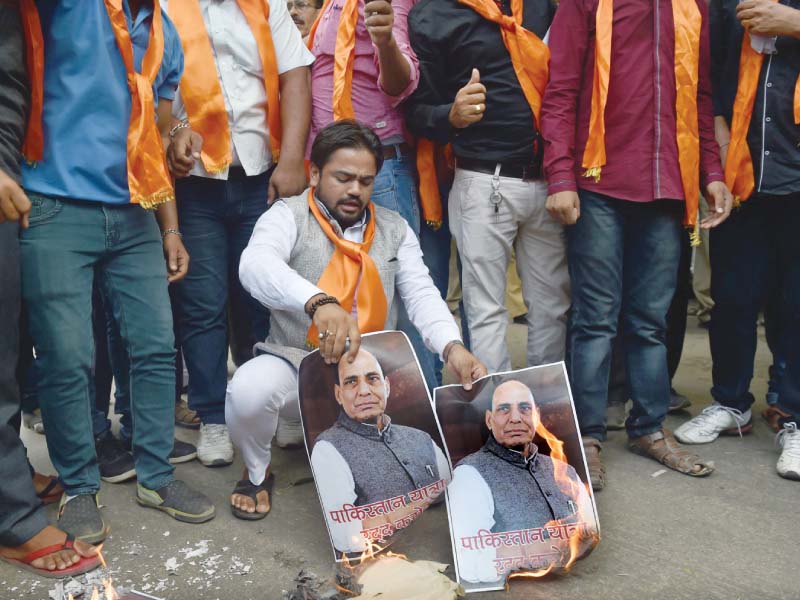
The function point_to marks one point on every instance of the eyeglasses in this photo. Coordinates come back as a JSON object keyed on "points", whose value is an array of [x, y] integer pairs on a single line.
{"points": [[299, 5]]}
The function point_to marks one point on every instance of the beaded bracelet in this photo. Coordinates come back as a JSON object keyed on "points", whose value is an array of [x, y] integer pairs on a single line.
{"points": [[317, 303]]}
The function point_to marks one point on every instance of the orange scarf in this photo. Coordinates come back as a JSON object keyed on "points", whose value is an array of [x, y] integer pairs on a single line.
{"points": [[429, 197], [148, 178], [529, 55], [200, 88], [687, 23], [739, 164], [343, 57], [351, 275]]}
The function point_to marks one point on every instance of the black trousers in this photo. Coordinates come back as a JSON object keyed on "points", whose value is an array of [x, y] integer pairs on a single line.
{"points": [[21, 514]]}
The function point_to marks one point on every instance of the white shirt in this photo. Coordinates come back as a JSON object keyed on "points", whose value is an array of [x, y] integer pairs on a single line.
{"points": [[241, 77], [265, 272], [337, 487]]}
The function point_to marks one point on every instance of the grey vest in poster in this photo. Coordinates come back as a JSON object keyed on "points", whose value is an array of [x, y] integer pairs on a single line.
{"points": [[310, 256], [384, 464], [525, 494]]}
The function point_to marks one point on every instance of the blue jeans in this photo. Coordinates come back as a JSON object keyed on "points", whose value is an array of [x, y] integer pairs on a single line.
{"points": [[395, 188], [68, 245], [217, 219], [623, 262], [754, 253], [110, 363]]}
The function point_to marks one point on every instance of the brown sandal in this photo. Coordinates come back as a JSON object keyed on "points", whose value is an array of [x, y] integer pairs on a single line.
{"points": [[186, 417], [597, 473], [663, 447]]}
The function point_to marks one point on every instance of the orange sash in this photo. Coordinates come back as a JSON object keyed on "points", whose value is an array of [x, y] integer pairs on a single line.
{"points": [[739, 164], [351, 275], [529, 55], [148, 178], [343, 57], [33, 146], [200, 88], [687, 22]]}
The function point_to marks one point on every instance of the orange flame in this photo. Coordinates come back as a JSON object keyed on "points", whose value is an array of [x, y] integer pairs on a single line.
{"points": [[578, 543]]}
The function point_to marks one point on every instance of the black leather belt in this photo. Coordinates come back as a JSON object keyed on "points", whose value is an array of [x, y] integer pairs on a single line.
{"points": [[395, 150], [515, 170]]}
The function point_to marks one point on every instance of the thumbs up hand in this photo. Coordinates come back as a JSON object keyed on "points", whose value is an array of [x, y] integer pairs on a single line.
{"points": [[470, 102]]}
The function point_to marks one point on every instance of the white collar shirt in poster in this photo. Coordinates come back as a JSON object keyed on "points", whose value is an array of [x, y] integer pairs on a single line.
{"points": [[241, 77]]}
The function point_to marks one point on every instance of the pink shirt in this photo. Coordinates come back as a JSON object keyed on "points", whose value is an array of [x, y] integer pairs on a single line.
{"points": [[371, 104]]}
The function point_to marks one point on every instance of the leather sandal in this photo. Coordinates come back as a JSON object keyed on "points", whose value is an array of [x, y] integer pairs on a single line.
{"points": [[245, 488], [597, 473], [664, 448], [186, 417]]}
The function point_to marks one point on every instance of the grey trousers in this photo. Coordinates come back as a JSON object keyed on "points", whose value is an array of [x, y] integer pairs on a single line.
{"points": [[485, 239], [21, 514]]}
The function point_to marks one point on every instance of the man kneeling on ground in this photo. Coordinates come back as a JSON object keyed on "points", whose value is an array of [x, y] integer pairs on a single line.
{"points": [[329, 264]]}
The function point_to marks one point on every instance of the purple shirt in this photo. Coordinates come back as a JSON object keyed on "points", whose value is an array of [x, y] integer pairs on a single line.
{"points": [[641, 147], [371, 104]]}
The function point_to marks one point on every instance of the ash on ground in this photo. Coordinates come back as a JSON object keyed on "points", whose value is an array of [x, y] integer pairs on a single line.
{"points": [[384, 578]]}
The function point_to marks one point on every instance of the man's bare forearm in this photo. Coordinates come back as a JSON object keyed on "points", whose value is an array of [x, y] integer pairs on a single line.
{"points": [[295, 113], [394, 68]]}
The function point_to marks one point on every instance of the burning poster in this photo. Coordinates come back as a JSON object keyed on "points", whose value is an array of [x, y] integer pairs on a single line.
{"points": [[375, 448], [519, 503]]}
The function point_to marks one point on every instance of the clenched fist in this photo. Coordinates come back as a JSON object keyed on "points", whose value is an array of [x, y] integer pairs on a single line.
{"points": [[470, 103]]}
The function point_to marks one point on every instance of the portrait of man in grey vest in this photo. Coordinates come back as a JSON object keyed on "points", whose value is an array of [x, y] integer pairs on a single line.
{"points": [[511, 506], [330, 265], [373, 475]]}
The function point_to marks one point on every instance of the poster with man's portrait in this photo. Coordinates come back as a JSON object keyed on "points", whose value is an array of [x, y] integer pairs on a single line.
{"points": [[520, 498], [375, 448]]}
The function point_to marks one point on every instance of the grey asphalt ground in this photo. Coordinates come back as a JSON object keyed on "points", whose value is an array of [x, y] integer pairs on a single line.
{"points": [[734, 535]]}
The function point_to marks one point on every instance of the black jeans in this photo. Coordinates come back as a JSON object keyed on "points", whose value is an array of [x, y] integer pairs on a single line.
{"points": [[21, 514], [756, 251]]}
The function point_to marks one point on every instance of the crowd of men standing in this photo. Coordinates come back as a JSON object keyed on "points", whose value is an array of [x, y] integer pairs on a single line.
{"points": [[142, 144]]}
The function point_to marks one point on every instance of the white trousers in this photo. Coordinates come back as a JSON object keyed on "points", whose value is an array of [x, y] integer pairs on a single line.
{"points": [[261, 388], [485, 239]]}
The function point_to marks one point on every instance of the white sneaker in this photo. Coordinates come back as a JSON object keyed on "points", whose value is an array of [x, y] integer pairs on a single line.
{"points": [[713, 421], [289, 433], [788, 438], [215, 448]]}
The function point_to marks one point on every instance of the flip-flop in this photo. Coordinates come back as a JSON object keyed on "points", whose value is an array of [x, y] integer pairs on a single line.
{"points": [[84, 565], [49, 494], [245, 488]]}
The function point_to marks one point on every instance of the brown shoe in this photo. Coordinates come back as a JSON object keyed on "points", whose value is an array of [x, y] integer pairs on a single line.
{"points": [[597, 474], [773, 415], [664, 448]]}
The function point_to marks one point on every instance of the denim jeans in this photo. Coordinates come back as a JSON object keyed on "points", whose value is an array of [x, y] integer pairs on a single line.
{"points": [[754, 253], [395, 188], [217, 218], [68, 245], [21, 512], [623, 261], [110, 363]]}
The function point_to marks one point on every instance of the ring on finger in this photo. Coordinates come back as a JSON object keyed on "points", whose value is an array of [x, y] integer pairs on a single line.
{"points": [[479, 108]]}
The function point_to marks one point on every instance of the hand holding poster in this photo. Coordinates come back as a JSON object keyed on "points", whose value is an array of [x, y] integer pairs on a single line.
{"points": [[375, 448], [519, 498]]}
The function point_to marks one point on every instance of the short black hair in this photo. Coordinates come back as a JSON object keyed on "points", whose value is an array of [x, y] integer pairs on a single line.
{"points": [[347, 133]]}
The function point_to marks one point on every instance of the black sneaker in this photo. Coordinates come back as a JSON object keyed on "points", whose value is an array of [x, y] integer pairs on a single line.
{"points": [[115, 462], [182, 452], [81, 517], [179, 501]]}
